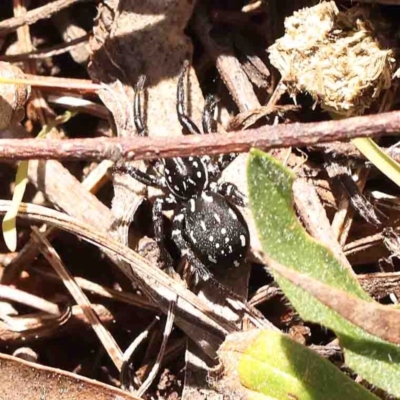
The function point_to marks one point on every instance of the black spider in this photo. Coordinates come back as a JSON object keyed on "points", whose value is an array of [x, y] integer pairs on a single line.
{"points": [[207, 227]]}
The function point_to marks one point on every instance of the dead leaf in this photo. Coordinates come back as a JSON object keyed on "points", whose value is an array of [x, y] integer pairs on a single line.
{"points": [[30, 381]]}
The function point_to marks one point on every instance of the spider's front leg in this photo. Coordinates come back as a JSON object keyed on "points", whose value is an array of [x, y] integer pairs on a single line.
{"points": [[209, 123], [201, 270], [137, 107], [187, 124], [142, 177]]}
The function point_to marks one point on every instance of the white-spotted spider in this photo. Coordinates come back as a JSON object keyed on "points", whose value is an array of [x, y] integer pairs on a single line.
{"points": [[207, 227]]}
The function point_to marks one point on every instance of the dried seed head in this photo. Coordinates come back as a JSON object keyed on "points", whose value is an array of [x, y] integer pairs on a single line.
{"points": [[12, 97], [335, 56]]}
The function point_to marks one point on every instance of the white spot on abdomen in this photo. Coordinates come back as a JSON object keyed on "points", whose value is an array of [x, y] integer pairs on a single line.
{"points": [[217, 218], [234, 216]]}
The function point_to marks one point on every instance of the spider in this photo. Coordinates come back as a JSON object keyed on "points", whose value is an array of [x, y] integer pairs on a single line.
{"points": [[207, 227]]}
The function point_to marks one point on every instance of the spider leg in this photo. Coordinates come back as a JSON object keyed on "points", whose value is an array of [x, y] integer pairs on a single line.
{"points": [[210, 126], [232, 193], [208, 121], [225, 159], [160, 205], [142, 177], [137, 107], [201, 270], [188, 125]]}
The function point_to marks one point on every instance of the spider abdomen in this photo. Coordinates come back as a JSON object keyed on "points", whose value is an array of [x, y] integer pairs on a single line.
{"points": [[216, 231]]}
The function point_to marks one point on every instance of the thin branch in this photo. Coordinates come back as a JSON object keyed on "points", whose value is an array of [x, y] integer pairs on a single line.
{"points": [[388, 2], [19, 296], [32, 16], [156, 367], [54, 83], [52, 51], [145, 148]]}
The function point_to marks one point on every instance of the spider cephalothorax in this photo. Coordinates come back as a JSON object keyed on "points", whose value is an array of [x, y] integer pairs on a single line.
{"points": [[207, 227]]}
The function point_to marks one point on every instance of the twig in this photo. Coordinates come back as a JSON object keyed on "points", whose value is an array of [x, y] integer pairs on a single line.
{"points": [[389, 2], [147, 148], [39, 325], [52, 51], [125, 376], [167, 331], [32, 16], [19, 296], [102, 291], [53, 83]]}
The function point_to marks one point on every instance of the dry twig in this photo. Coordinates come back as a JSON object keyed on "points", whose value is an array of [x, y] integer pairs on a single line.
{"points": [[32, 16], [144, 148]]}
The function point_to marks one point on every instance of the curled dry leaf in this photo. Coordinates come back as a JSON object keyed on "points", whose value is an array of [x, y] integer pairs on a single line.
{"points": [[30, 381], [12, 97]]}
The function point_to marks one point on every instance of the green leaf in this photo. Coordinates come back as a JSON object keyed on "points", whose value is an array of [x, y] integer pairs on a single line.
{"points": [[9, 221], [285, 241], [386, 164], [281, 368]]}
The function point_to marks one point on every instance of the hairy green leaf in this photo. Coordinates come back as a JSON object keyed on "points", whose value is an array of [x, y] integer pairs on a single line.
{"points": [[281, 368], [284, 240]]}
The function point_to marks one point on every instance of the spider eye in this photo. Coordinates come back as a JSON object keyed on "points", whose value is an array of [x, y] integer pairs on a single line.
{"points": [[185, 177]]}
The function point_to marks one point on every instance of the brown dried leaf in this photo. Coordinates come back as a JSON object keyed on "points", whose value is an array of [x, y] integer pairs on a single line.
{"points": [[30, 381], [12, 97]]}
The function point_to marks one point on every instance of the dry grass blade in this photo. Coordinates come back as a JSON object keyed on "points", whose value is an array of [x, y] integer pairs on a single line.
{"points": [[46, 11], [32, 326], [52, 83], [125, 377], [19, 296], [167, 331], [103, 291], [103, 334], [191, 312], [48, 52]]}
